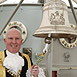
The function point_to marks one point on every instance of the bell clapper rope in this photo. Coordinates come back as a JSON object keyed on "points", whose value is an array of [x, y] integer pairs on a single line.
{"points": [[45, 50]]}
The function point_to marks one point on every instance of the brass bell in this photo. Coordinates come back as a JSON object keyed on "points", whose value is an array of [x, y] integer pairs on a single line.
{"points": [[55, 21]]}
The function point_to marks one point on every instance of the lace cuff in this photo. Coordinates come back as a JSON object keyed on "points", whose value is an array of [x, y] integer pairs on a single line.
{"points": [[41, 73]]}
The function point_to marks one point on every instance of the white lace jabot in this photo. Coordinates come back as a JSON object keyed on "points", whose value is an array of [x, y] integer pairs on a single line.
{"points": [[13, 62]]}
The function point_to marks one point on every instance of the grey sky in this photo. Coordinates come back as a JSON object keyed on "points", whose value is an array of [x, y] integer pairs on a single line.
{"points": [[34, 1]]}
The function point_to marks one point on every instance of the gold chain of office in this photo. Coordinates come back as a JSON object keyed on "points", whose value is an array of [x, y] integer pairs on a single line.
{"points": [[11, 73]]}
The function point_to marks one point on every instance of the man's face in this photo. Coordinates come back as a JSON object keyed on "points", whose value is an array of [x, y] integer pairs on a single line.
{"points": [[13, 41]]}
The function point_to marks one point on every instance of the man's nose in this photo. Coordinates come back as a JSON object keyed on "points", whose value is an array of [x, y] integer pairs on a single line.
{"points": [[14, 41]]}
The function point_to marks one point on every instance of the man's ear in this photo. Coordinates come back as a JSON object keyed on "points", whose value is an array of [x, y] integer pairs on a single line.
{"points": [[4, 40], [22, 41]]}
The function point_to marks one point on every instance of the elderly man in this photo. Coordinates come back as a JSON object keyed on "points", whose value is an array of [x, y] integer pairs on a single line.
{"points": [[12, 62]]}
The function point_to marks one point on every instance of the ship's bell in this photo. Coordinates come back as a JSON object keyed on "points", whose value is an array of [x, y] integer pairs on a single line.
{"points": [[55, 21]]}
